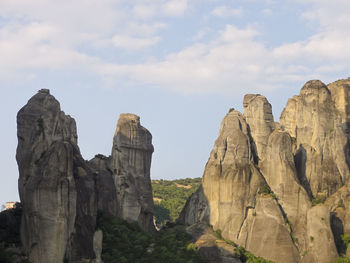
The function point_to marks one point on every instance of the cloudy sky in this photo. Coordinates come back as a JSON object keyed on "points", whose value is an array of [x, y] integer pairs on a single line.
{"points": [[179, 64]]}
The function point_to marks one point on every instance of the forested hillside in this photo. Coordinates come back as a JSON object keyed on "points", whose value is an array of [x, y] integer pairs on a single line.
{"points": [[170, 197]]}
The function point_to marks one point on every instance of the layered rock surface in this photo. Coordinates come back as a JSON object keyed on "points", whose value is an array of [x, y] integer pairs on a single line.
{"points": [[231, 185], [56, 186], [258, 114], [131, 157], [314, 121], [61, 193], [303, 159]]}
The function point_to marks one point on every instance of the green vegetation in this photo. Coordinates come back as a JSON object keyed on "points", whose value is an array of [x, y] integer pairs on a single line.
{"points": [[10, 221], [170, 197], [312, 238], [5, 256], [248, 257], [317, 200], [293, 140], [342, 259], [10, 226], [244, 255], [125, 242], [218, 233], [265, 190], [341, 204], [346, 240]]}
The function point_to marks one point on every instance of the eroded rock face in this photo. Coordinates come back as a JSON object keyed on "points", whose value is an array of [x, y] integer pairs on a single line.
{"points": [[321, 243], [305, 157], [231, 184], [340, 91], [280, 173], [105, 188], [131, 155], [54, 227], [258, 114], [196, 209], [313, 120], [61, 193]]}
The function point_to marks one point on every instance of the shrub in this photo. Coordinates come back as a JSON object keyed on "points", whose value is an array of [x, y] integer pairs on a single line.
{"points": [[293, 140], [218, 233], [346, 239], [126, 242], [5, 256], [317, 200], [264, 190], [248, 257], [342, 259]]}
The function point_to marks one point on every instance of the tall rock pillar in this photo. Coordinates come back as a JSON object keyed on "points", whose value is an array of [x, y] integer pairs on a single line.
{"points": [[56, 187], [131, 162]]}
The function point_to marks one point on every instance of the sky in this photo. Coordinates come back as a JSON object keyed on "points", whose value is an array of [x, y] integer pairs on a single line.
{"points": [[178, 64]]}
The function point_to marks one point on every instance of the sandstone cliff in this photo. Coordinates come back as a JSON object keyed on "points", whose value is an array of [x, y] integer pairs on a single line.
{"points": [[61, 193], [56, 186], [263, 180], [131, 162]]}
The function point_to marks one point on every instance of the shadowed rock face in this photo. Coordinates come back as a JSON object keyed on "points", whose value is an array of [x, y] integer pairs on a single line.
{"points": [[58, 220], [105, 188], [61, 192], [131, 162]]}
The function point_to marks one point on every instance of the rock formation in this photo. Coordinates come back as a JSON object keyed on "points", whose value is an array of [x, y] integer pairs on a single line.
{"points": [[237, 205], [313, 120], [61, 193], [131, 157], [58, 221], [263, 182], [258, 114]]}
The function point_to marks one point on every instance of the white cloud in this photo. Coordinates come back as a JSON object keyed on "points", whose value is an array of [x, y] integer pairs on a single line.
{"points": [[225, 11], [267, 12], [134, 43], [40, 34], [233, 59], [159, 8], [174, 7], [144, 10], [144, 29]]}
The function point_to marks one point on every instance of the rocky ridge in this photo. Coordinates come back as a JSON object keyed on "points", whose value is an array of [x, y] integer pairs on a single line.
{"points": [[281, 189], [61, 193]]}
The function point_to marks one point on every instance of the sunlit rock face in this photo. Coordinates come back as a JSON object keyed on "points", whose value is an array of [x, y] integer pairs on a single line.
{"points": [[314, 121], [231, 185], [131, 163], [299, 163], [258, 115], [56, 186]]}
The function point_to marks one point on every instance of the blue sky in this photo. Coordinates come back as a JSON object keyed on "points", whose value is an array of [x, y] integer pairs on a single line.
{"points": [[179, 64]]}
